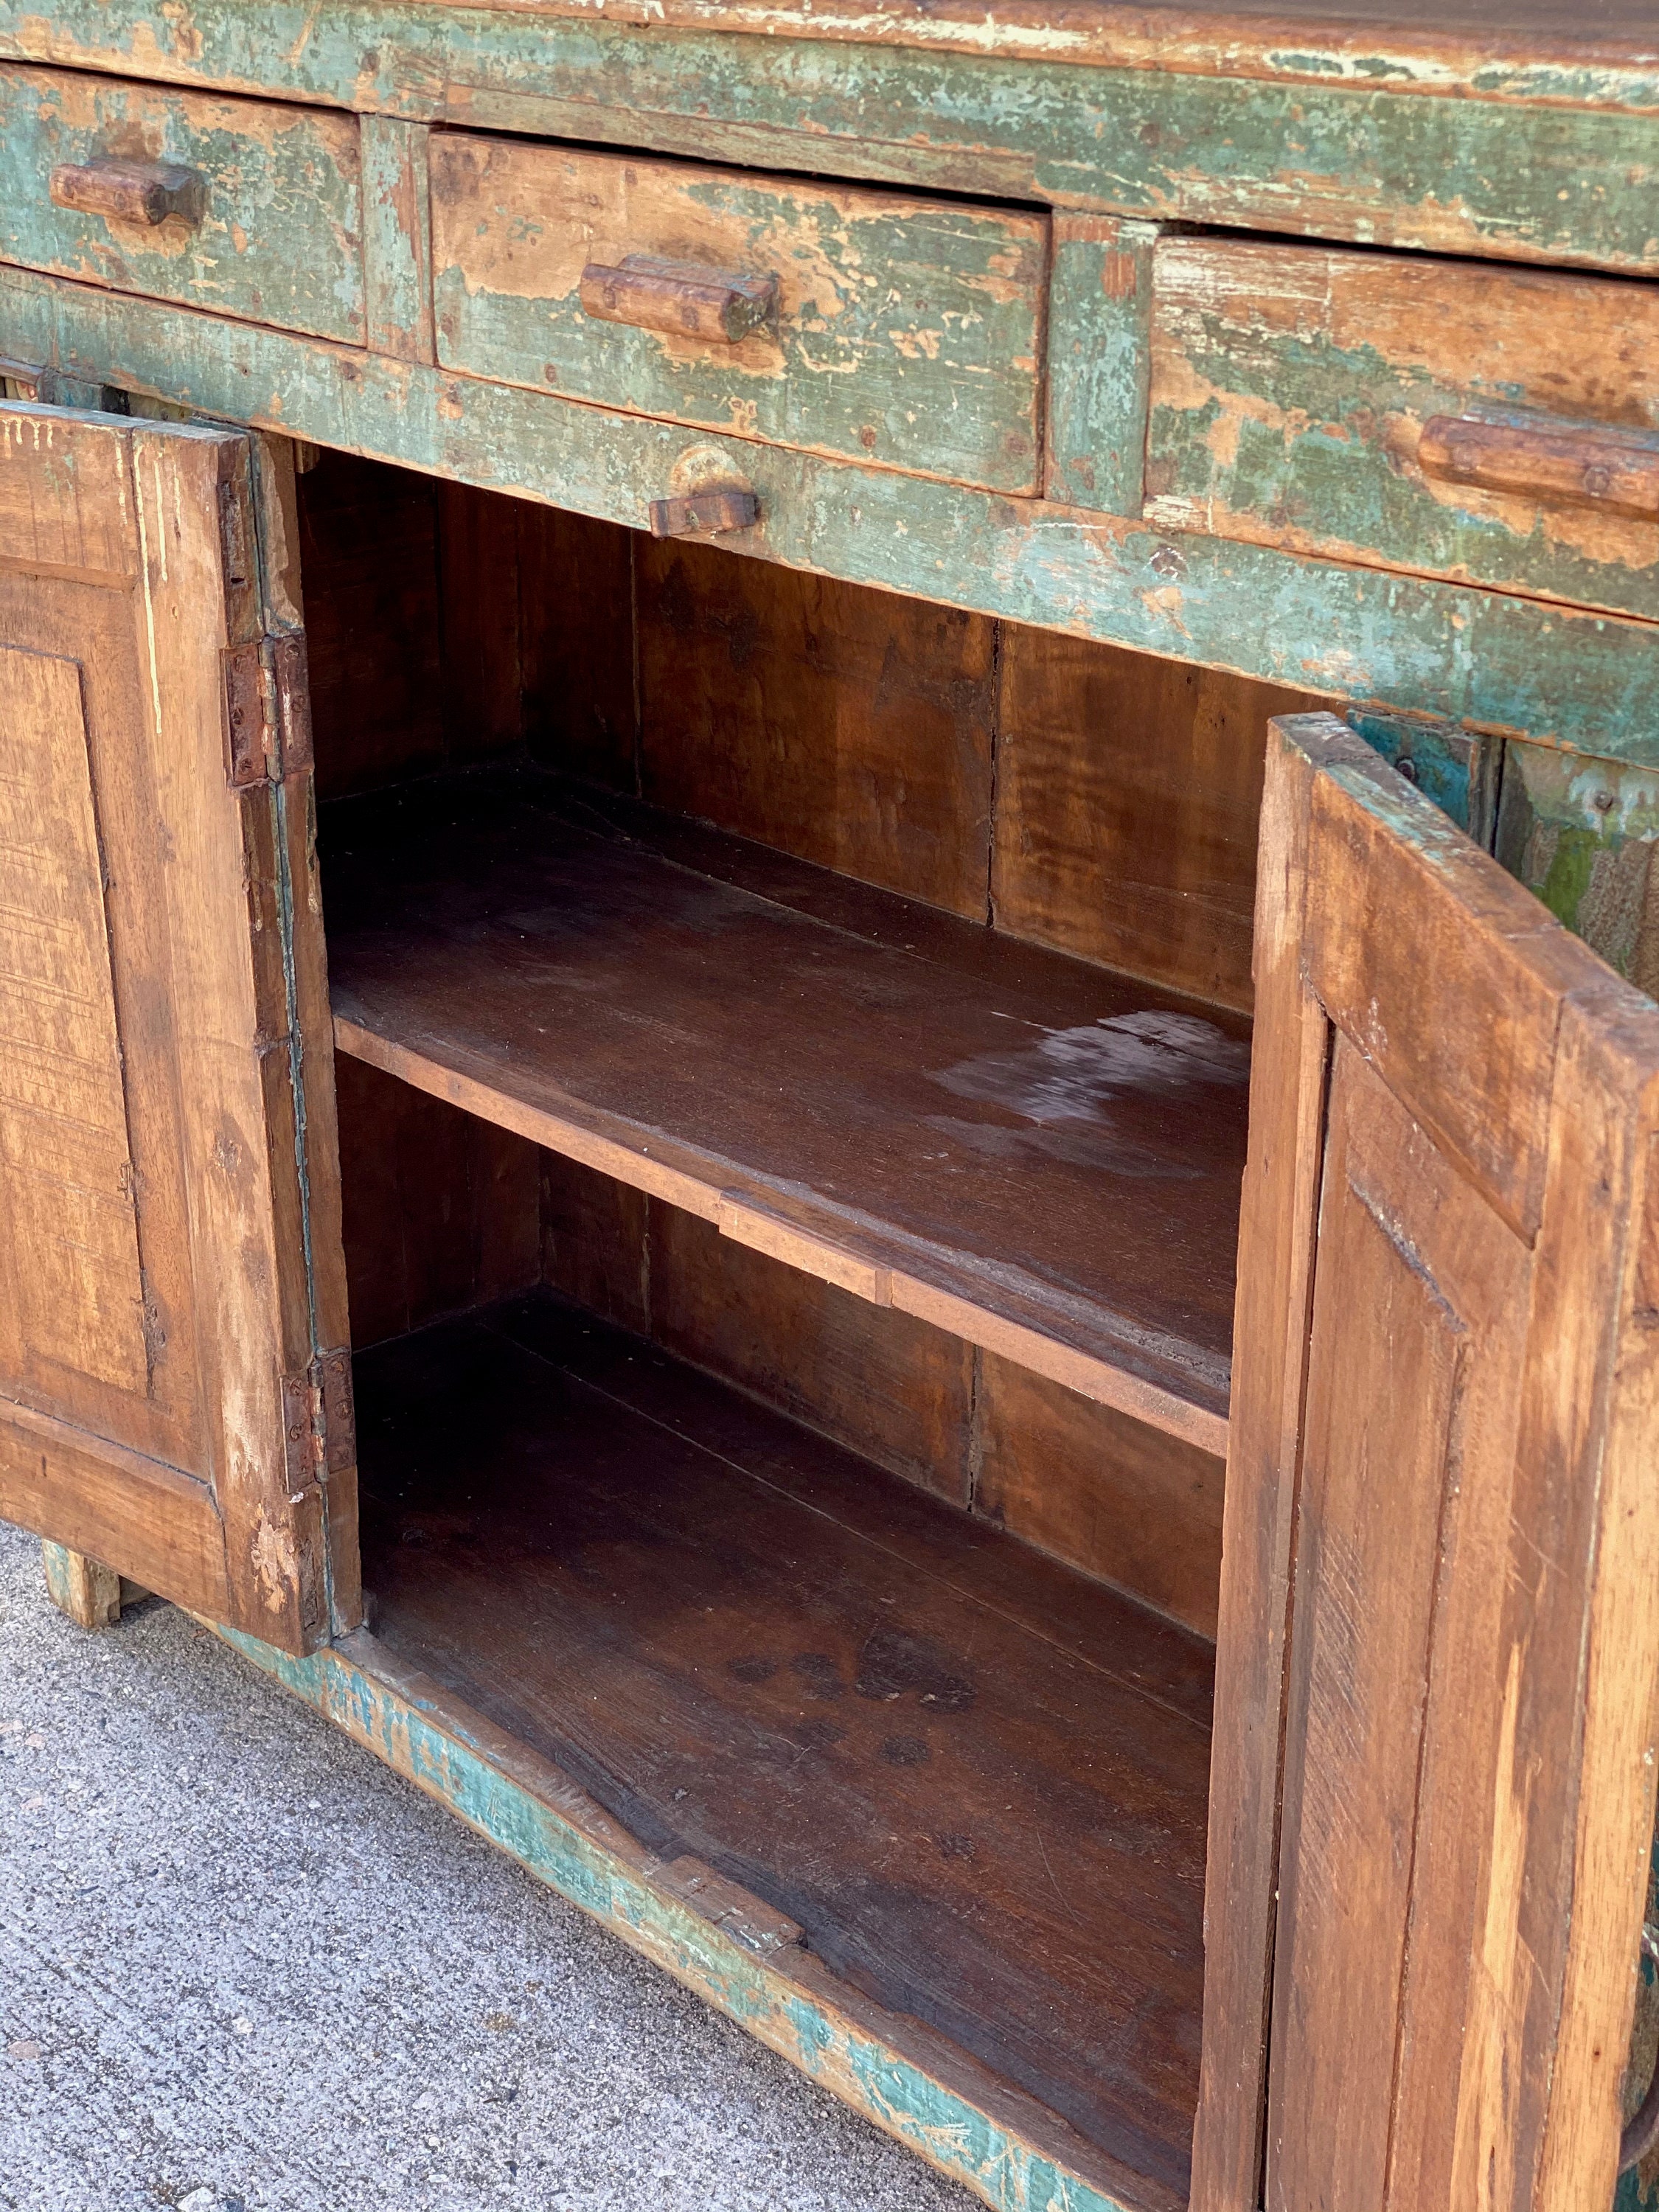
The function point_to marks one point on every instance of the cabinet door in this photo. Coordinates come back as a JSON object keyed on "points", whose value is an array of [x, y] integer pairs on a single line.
{"points": [[161, 1397], [1433, 1785]]}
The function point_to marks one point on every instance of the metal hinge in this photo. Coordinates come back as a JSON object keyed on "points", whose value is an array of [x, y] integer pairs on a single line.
{"points": [[267, 710], [320, 1422]]}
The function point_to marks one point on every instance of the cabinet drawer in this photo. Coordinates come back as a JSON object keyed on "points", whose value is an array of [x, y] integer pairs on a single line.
{"points": [[866, 324], [244, 206], [1492, 425]]}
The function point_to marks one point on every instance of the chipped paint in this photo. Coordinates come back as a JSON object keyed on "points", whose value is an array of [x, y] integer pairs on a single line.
{"points": [[279, 241], [1248, 131], [1478, 659], [906, 330], [1290, 386]]}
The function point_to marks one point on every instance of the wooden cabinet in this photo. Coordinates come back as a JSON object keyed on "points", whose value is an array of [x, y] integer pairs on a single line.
{"points": [[823, 1040]]}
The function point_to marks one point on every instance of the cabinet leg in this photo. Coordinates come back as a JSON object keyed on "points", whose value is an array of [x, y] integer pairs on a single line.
{"points": [[89, 1592]]}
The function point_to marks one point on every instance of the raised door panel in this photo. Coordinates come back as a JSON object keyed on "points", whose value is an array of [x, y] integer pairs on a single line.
{"points": [[159, 1396], [1439, 1638]]}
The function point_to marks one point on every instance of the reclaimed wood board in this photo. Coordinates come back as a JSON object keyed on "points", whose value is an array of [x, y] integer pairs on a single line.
{"points": [[976, 1783], [1038, 1155], [902, 331]]}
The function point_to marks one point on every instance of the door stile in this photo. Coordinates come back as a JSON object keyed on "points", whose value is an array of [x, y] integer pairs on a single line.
{"points": [[1288, 1079]]}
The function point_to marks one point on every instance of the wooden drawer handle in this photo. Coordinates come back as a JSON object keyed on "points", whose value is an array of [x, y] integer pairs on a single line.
{"points": [[131, 192], [1585, 467], [682, 297], [704, 513]]}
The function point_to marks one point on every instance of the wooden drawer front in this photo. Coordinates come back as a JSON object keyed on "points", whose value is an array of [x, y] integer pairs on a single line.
{"points": [[266, 220], [1493, 425], [885, 328]]}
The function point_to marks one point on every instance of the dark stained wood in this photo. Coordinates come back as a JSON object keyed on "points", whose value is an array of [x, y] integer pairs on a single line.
{"points": [[368, 551], [1105, 1493], [846, 726], [442, 1210], [576, 626], [976, 1782], [1458, 1495], [477, 567], [1128, 791], [1031, 1142], [596, 1242]]}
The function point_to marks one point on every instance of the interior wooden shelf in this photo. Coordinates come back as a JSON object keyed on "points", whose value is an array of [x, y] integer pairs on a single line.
{"points": [[975, 1781], [1037, 1154]]}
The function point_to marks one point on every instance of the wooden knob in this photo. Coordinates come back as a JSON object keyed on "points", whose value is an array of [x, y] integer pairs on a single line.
{"points": [[681, 297], [1570, 464], [705, 513], [131, 192]]}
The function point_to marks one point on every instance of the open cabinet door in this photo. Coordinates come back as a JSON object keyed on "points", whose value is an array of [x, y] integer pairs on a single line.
{"points": [[1433, 1791], [163, 1404]]}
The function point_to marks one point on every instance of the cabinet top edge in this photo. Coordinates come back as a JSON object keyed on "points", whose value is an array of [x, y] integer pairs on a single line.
{"points": [[1607, 56]]}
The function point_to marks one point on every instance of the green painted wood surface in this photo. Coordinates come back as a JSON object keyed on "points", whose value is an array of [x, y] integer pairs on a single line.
{"points": [[1459, 772], [1638, 2190], [397, 237], [1100, 298], [1345, 160], [1581, 834], [907, 330], [1291, 384], [281, 241], [1513, 665], [562, 1837]]}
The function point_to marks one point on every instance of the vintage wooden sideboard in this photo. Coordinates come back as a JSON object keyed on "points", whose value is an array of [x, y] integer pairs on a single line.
{"points": [[711, 715]]}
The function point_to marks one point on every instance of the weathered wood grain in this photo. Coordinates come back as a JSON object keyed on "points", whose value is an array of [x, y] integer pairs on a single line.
{"points": [[850, 729], [1468, 1705], [1293, 389], [1269, 125], [1100, 299], [1495, 662], [903, 331], [1581, 834], [150, 1074], [280, 234], [88, 1592], [397, 239]]}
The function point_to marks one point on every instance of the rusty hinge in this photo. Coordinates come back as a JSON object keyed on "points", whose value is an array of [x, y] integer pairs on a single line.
{"points": [[320, 1422], [267, 710]]}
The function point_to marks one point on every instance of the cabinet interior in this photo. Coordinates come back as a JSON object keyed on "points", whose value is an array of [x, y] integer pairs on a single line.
{"points": [[793, 1074]]}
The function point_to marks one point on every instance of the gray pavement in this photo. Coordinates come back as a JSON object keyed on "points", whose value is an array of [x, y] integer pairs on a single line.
{"points": [[242, 1965]]}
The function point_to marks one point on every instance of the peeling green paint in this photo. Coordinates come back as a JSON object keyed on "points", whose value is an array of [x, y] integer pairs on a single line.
{"points": [[907, 332], [280, 242], [1477, 659], [442, 1757], [1458, 772], [1358, 160], [1581, 834], [1100, 297]]}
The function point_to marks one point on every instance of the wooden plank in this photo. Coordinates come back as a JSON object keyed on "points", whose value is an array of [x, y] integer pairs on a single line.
{"points": [[902, 330], [1100, 304], [1127, 795], [1322, 129], [397, 239], [576, 643], [724, 1657], [1290, 1052], [1480, 658], [1055, 1146], [90, 1594], [280, 237], [850, 729], [910, 2084], [1109, 1496], [1294, 390]]}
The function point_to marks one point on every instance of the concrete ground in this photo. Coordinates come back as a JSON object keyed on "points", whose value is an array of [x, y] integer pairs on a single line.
{"points": [[244, 1966]]}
